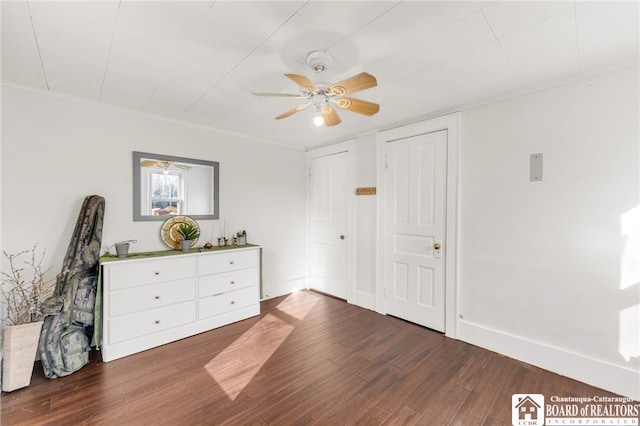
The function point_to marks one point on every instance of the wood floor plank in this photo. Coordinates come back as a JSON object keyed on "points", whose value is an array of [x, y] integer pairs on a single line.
{"points": [[403, 416], [444, 364], [388, 389], [353, 410], [492, 377], [293, 406], [445, 406], [307, 359]]}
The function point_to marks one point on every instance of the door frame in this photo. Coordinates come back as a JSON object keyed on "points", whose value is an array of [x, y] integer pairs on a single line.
{"points": [[452, 123], [348, 147]]}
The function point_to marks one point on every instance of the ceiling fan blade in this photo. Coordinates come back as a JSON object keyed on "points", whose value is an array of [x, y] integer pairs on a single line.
{"points": [[293, 111], [286, 95], [303, 82], [148, 163], [357, 105], [354, 84], [330, 116]]}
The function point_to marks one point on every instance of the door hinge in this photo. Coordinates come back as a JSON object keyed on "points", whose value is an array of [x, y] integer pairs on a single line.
{"points": [[386, 293], [386, 164]]}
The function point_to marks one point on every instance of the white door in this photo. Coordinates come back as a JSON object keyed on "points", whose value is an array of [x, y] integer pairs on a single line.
{"points": [[415, 215], [328, 224]]}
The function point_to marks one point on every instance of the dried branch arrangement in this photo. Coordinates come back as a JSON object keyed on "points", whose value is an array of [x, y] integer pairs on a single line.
{"points": [[23, 297]]}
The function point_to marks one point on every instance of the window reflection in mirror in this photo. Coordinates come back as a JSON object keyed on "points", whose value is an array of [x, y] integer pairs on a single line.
{"points": [[166, 193], [168, 185]]}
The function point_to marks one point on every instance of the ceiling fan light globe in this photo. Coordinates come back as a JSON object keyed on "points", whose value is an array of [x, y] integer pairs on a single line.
{"points": [[318, 120]]}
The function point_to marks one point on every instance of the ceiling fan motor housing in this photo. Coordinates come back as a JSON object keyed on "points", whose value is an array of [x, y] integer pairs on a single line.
{"points": [[319, 60], [320, 100]]}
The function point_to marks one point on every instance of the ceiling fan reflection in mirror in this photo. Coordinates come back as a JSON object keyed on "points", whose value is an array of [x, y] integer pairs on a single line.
{"points": [[164, 164], [325, 96]]}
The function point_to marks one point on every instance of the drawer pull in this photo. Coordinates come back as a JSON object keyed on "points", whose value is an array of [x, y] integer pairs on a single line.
{"points": [[232, 282], [231, 262], [157, 321], [157, 272], [233, 303], [157, 297]]}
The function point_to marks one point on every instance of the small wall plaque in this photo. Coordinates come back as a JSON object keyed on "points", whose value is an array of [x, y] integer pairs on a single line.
{"points": [[366, 191], [535, 168]]}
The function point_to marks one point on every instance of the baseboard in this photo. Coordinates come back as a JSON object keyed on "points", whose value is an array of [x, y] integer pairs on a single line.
{"points": [[614, 378], [269, 291], [364, 300]]}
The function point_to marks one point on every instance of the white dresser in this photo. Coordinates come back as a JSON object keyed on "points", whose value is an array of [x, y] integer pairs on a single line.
{"points": [[150, 301]]}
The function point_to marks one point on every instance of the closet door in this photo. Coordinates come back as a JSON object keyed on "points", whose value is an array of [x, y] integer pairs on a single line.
{"points": [[328, 204], [414, 228]]}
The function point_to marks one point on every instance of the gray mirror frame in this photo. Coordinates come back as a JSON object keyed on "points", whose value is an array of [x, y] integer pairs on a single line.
{"points": [[138, 217]]}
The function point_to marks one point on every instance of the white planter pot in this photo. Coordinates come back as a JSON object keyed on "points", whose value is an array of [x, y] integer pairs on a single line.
{"points": [[20, 345]]}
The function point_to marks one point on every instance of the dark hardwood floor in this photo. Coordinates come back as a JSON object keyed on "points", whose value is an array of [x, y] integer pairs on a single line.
{"points": [[308, 359]]}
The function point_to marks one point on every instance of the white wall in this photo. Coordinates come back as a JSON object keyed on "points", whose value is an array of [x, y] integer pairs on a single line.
{"points": [[200, 185], [56, 151], [545, 269], [365, 224]]}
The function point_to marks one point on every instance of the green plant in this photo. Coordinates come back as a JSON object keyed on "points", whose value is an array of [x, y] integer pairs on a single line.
{"points": [[23, 297], [188, 232]]}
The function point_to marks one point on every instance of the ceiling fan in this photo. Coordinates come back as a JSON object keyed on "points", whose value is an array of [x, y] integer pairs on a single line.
{"points": [[325, 96]]}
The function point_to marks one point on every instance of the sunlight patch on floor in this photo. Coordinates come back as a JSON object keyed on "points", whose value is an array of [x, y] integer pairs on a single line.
{"points": [[296, 306], [234, 368]]}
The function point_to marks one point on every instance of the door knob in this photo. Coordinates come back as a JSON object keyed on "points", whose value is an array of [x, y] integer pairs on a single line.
{"points": [[436, 246], [342, 237]]}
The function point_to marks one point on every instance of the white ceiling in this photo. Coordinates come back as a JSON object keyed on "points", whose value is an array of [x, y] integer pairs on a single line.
{"points": [[200, 61]]}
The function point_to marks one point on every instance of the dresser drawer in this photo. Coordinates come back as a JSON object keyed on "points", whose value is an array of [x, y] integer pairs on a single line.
{"points": [[151, 296], [222, 303], [228, 261], [229, 281], [128, 327], [132, 274]]}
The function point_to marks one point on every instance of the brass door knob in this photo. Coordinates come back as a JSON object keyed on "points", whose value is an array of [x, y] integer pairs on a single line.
{"points": [[436, 246]]}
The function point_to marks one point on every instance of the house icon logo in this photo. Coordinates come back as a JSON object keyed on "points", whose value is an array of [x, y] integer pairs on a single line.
{"points": [[527, 409]]}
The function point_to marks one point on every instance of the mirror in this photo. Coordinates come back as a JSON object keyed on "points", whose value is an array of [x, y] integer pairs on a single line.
{"points": [[165, 185]]}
